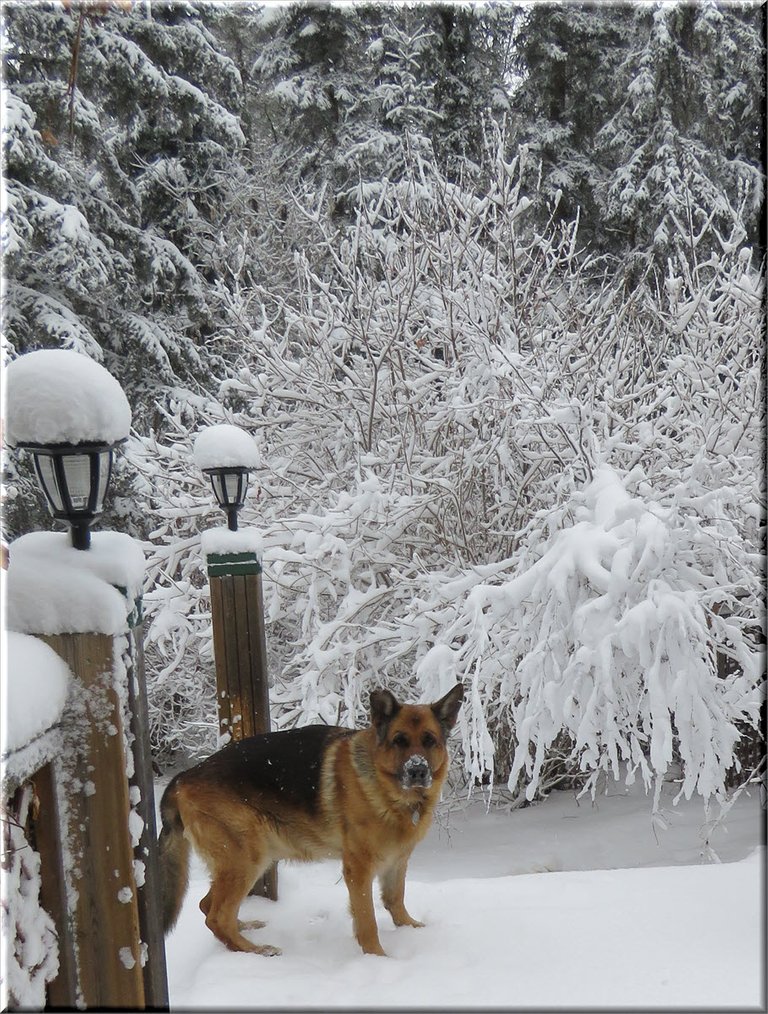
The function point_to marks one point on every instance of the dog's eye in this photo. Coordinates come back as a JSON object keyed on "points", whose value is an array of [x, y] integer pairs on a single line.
{"points": [[428, 740], [400, 740]]}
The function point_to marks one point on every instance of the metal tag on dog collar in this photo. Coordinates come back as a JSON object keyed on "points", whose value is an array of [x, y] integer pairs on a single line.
{"points": [[415, 817]]}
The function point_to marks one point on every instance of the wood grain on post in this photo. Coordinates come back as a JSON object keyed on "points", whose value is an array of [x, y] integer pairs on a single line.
{"points": [[61, 991], [240, 655], [106, 916], [150, 892], [227, 689]]}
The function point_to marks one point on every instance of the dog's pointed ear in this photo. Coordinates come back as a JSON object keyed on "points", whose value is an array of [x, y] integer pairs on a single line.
{"points": [[447, 708], [384, 707]]}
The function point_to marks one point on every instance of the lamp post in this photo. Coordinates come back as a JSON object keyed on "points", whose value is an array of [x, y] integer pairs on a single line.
{"points": [[230, 484], [228, 454], [70, 413], [74, 479]]}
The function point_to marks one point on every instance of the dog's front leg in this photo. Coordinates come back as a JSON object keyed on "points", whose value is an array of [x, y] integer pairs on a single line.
{"points": [[358, 876], [393, 893]]}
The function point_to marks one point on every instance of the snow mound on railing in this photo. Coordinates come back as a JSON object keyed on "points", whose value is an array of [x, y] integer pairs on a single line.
{"points": [[37, 681]]}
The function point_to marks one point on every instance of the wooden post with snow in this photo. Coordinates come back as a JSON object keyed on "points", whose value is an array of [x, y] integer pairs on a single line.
{"points": [[105, 918], [239, 643], [239, 648], [84, 606], [233, 558], [81, 594], [37, 685]]}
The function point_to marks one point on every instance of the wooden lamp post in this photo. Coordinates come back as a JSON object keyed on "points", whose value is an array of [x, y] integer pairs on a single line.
{"points": [[227, 454], [82, 596]]}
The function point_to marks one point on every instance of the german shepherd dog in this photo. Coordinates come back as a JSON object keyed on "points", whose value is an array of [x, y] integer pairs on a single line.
{"points": [[365, 796]]}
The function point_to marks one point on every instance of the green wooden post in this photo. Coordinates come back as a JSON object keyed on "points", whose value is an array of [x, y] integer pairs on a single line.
{"points": [[240, 654]]}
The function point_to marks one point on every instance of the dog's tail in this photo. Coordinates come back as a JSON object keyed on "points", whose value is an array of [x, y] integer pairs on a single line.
{"points": [[173, 849]]}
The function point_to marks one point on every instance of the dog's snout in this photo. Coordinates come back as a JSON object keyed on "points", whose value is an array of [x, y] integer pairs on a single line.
{"points": [[417, 773]]}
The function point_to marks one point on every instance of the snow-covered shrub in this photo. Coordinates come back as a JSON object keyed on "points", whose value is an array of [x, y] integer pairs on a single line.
{"points": [[452, 405], [607, 629]]}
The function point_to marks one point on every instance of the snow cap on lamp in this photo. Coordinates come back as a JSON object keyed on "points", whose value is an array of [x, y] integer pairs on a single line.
{"points": [[56, 396]]}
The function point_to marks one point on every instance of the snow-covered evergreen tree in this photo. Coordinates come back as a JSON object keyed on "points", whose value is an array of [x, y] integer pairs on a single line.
{"points": [[645, 121], [683, 147], [568, 55], [120, 127], [400, 115], [352, 96], [305, 81], [471, 62]]}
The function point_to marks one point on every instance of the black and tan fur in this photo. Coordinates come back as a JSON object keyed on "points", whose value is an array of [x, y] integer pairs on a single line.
{"points": [[365, 796]]}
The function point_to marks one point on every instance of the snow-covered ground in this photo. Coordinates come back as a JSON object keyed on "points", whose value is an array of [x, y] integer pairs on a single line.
{"points": [[564, 904]]}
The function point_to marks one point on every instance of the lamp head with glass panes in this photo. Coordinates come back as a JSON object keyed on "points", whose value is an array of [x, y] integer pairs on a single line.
{"points": [[70, 414], [227, 454], [74, 480]]}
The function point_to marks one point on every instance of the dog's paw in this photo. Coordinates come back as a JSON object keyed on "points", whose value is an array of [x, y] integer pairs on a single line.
{"points": [[267, 950], [251, 924]]}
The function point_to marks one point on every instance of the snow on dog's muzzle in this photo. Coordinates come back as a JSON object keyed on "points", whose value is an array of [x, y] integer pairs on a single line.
{"points": [[416, 773]]}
